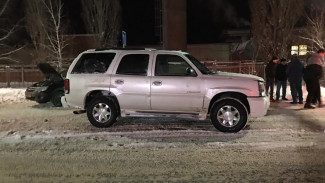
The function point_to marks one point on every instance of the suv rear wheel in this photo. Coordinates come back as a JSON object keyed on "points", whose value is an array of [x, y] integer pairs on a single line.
{"points": [[101, 112], [228, 115]]}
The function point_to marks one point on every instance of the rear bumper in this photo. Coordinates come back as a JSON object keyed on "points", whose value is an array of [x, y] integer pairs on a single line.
{"points": [[258, 106]]}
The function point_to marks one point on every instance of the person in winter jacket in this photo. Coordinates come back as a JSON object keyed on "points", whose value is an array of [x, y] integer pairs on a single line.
{"points": [[270, 77], [295, 71], [313, 73], [281, 79]]}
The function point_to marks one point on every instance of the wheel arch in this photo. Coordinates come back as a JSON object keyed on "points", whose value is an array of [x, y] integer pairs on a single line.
{"points": [[230, 95], [101, 93]]}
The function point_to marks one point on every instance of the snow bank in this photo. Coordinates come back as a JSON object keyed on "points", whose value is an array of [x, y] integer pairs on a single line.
{"points": [[12, 95]]}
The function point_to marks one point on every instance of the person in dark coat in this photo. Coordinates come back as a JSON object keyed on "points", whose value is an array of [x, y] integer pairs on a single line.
{"points": [[295, 71], [270, 77], [281, 79], [313, 73]]}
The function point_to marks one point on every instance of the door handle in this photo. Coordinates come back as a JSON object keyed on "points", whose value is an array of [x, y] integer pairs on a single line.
{"points": [[119, 81], [157, 83]]}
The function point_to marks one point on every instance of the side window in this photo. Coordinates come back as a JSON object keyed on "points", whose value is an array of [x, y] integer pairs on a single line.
{"points": [[172, 65], [93, 63], [134, 64]]}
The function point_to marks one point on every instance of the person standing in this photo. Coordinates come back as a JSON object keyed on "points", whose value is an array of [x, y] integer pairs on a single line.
{"points": [[281, 79], [313, 73], [270, 77], [295, 71]]}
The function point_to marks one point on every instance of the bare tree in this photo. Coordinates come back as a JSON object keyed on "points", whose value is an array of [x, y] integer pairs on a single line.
{"points": [[315, 30], [102, 17], [8, 50], [44, 25], [35, 16], [272, 25], [56, 42]]}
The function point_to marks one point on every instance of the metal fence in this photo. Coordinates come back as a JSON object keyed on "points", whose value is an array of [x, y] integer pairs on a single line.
{"points": [[244, 67], [23, 76]]}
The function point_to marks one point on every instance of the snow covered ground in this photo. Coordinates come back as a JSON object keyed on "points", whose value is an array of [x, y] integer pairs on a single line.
{"points": [[42, 143], [12, 95]]}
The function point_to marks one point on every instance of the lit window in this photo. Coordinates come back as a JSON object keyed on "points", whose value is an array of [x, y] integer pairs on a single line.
{"points": [[302, 49], [294, 50], [299, 50]]}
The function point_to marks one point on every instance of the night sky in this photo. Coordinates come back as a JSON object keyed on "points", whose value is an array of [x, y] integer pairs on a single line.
{"points": [[206, 20]]}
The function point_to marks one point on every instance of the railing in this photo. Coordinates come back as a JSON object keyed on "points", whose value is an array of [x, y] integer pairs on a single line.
{"points": [[23, 76], [244, 67]]}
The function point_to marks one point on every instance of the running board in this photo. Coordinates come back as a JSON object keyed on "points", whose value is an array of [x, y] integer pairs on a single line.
{"points": [[129, 113]]}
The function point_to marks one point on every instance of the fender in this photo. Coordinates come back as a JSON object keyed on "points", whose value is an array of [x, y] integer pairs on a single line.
{"points": [[219, 91]]}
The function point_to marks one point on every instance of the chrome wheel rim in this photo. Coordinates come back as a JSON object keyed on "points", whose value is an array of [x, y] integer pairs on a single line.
{"points": [[228, 116], [101, 112]]}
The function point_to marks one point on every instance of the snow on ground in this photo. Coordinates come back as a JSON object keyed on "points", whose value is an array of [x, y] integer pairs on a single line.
{"points": [[12, 95], [42, 143]]}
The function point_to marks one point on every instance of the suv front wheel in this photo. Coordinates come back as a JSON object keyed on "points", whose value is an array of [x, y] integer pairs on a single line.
{"points": [[228, 115], [101, 112]]}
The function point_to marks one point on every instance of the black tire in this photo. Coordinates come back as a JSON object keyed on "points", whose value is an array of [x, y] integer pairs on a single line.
{"points": [[228, 115], [56, 98], [41, 98], [107, 109]]}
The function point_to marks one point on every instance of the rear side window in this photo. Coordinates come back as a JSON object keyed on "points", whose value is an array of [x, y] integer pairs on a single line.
{"points": [[90, 63], [134, 64]]}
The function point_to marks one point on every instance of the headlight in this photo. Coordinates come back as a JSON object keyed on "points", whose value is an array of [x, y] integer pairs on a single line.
{"points": [[43, 88], [261, 88]]}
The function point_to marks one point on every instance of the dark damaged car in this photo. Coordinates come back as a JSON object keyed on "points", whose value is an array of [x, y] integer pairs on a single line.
{"points": [[51, 89]]}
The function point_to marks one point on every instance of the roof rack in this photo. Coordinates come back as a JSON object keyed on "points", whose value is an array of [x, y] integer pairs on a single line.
{"points": [[118, 48]]}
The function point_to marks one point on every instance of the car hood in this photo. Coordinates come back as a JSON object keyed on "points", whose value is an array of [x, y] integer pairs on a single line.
{"points": [[237, 76], [49, 72]]}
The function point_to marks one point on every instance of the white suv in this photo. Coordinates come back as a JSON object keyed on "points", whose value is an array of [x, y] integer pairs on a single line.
{"points": [[108, 83]]}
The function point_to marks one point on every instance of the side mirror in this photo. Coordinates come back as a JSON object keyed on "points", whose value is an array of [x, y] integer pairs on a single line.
{"points": [[190, 72]]}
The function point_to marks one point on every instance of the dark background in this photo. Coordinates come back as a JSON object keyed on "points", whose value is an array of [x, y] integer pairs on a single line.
{"points": [[206, 19]]}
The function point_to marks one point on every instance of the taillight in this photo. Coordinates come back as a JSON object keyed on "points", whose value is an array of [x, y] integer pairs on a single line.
{"points": [[66, 86]]}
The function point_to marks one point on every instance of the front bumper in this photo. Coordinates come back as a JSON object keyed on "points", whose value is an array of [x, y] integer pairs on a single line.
{"points": [[258, 106], [37, 93]]}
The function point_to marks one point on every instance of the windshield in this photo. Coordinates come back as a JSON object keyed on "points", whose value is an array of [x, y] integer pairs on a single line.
{"points": [[198, 64]]}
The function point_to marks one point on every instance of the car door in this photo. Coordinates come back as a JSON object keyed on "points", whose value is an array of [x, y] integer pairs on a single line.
{"points": [[130, 82], [175, 86]]}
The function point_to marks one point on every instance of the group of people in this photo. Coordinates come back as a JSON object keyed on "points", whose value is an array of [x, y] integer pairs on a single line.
{"points": [[279, 72]]}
